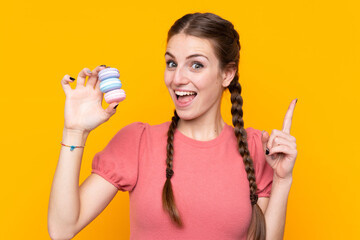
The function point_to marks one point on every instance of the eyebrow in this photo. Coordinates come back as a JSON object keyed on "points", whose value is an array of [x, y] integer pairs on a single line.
{"points": [[188, 57]]}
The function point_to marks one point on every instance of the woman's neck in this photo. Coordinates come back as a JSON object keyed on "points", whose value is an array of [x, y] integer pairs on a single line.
{"points": [[202, 129]]}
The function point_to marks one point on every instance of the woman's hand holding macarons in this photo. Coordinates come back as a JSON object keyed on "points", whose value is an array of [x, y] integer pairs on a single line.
{"points": [[83, 109]]}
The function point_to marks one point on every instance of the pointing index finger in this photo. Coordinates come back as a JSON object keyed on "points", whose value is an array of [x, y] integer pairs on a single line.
{"points": [[288, 117]]}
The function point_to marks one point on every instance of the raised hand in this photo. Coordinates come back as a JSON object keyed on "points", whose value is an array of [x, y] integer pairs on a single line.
{"points": [[83, 110], [281, 147]]}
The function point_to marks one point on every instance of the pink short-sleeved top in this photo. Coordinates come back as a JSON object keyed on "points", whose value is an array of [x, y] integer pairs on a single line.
{"points": [[210, 184]]}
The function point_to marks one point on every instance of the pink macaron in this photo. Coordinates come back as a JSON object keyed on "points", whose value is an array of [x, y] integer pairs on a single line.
{"points": [[116, 95]]}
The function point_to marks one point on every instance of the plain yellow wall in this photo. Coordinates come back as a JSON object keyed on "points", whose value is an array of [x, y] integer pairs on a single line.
{"points": [[305, 49]]}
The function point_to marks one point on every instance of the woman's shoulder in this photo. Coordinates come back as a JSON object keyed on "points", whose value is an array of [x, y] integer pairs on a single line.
{"points": [[253, 132], [254, 140], [139, 124], [253, 137], [136, 131], [159, 126], [250, 132], [145, 127]]}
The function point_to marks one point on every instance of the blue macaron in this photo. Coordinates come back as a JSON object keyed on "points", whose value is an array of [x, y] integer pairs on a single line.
{"points": [[110, 84]]}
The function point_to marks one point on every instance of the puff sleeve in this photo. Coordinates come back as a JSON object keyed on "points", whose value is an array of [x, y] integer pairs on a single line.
{"points": [[263, 171], [118, 161]]}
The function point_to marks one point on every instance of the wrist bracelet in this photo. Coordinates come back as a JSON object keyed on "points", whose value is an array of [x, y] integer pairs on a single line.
{"points": [[72, 147]]}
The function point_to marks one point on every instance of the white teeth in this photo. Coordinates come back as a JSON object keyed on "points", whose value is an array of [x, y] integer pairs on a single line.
{"points": [[183, 93]]}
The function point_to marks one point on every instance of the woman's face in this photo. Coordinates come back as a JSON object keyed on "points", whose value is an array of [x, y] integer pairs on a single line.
{"points": [[193, 76]]}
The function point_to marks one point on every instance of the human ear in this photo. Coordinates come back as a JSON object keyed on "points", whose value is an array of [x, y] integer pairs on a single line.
{"points": [[228, 74]]}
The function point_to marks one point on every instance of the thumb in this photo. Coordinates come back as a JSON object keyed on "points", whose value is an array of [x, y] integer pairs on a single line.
{"points": [[111, 109], [264, 139]]}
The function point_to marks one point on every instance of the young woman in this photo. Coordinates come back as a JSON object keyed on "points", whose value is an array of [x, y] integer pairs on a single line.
{"points": [[192, 178]]}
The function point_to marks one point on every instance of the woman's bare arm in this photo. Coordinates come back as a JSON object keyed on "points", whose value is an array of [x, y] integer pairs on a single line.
{"points": [[71, 207], [275, 214]]}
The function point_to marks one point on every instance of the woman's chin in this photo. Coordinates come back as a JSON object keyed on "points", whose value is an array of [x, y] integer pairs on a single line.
{"points": [[186, 115]]}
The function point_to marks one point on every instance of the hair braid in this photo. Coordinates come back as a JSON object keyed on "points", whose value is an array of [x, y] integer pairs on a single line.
{"points": [[258, 231], [168, 200], [257, 226], [240, 133]]}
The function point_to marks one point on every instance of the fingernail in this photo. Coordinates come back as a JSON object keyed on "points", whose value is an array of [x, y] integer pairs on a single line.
{"points": [[296, 100], [103, 65], [88, 71], [267, 151], [116, 106], [72, 79]]}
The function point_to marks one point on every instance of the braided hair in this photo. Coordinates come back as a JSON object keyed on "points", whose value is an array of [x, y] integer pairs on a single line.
{"points": [[225, 41], [167, 194]]}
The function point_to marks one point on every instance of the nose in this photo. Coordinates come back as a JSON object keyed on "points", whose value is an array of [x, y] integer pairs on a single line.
{"points": [[180, 76]]}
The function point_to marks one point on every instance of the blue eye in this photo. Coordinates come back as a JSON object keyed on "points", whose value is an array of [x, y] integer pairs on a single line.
{"points": [[171, 64], [197, 65]]}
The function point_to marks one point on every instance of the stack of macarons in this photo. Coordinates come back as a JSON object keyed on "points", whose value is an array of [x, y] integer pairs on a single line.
{"points": [[110, 85]]}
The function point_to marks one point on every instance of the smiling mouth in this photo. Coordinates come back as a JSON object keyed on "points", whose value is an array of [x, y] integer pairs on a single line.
{"points": [[185, 96]]}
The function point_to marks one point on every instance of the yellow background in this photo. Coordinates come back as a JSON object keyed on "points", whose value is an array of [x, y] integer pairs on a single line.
{"points": [[306, 49]]}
